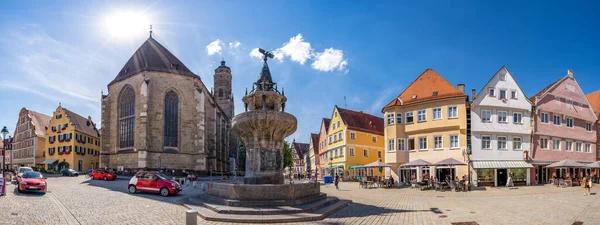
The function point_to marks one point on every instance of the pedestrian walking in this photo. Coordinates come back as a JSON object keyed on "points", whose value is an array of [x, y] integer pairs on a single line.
{"points": [[586, 184], [194, 180], [337, 180]]}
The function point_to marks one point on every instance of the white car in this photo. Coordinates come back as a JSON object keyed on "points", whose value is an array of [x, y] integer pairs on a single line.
{"points": [[22, 170]]}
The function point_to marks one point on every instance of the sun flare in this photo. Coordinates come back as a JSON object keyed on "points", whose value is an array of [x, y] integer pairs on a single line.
{"points": [[126, 24]]}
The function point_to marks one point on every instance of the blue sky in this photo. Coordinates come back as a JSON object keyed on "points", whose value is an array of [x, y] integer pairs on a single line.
{"points": [[62, 51]]}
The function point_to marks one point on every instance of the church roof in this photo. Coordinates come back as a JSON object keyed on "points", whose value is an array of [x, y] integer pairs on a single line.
{"points": [[428, 86], [152, 56]]}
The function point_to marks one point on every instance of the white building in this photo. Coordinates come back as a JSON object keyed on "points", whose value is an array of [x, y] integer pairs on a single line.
{"points": [[500, 132]]}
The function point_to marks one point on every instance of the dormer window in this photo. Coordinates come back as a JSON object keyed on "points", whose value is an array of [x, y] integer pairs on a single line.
{"points": [[414, 97], [435, 93]]}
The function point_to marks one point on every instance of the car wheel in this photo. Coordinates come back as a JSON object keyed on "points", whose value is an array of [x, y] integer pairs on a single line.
{"points": [[104, 178], [164, 192], [19, 190], [132, 189]]}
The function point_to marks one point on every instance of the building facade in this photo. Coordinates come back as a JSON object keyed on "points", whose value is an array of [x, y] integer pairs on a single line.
{"points": [[159, 114], [7, 146], [563, 129], [299, 152], [500, 132], [427, 121], [323, 160], [72, 141], [354, 139], [313, 154], [30, 139], [594, 100]]}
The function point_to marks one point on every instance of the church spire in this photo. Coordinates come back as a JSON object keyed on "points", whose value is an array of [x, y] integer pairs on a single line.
{"points": [[150, 31]]}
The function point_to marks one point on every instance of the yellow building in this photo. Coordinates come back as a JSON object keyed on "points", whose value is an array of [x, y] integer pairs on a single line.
{"points": [[427, 121], [353, 139], [72, 142]]}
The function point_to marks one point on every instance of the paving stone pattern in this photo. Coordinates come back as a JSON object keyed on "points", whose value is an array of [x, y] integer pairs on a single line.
{"points": [[79, 201]]}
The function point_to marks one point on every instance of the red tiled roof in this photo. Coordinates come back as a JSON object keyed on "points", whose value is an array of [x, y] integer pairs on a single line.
{"points": [[594, 99], [361, 121], [300, 149], [81, 123], [315, 141], [326, 123], [423, 88]]}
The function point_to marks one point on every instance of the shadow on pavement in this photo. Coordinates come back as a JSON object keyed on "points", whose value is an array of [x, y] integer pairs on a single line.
{"points": [[362, 210]]}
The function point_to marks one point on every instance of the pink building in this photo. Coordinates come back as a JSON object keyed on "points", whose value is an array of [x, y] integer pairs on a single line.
{"points": [[563, 129]]}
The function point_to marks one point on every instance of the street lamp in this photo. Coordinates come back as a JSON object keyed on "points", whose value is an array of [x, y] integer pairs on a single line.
{"points": [[4, 133]]}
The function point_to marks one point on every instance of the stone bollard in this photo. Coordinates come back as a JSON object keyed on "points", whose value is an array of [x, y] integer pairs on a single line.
{"points": [[191, 217]]}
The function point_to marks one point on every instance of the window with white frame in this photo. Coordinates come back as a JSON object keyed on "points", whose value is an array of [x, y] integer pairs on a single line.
{"points": [[452, 112], [502, 94], [374, 139], [329, 139], [569, 122], [338, 124], [588, 127], [556, 144], [401, 144], [513, 94], [492, 92], [340, 136], [544, 118], [334, 137], [422, 143], [544, 143], [486, 142], [502, 117], [366, 153], [410, 145], [437, 142], [454, 141], [486, 116], [351, 151], [517, 117], [502, 143], [391, 144], [353, 136], [390, 119], [333, 125], [517, 145], [398, 118], [409, 117], [569, 145], [578, 146], [556, 120], [588, 147], [421, 115], [437, 113]]}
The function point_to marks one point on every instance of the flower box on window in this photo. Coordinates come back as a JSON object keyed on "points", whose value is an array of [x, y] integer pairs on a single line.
{"points": [[54, 129]]}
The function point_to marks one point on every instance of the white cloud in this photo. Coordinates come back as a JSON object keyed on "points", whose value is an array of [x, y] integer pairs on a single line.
{"points": [[256, 54], [234, 44], [329, 60], [297, 49], [215, 47]]}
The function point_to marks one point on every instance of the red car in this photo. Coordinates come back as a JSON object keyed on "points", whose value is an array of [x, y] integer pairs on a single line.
{"points": [[32, 182], [103, 175], [153, 182]]}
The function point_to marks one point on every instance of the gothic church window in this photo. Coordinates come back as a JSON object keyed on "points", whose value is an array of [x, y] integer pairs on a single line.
{"points": [[220, 92], [126, 118], [171, 119]]}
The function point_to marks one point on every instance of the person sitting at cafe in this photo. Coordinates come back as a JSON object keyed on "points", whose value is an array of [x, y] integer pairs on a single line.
{"points": [[391, 182]]}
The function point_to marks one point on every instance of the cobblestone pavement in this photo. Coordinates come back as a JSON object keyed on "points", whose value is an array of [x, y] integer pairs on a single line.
{"points": [[80, 201]]}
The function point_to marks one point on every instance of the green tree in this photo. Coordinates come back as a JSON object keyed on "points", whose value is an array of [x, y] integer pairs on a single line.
{"points": [[287, 155]]}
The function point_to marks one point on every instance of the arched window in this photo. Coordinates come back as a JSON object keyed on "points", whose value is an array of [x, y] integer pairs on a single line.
{"points": [[171, 119], [126, 118], [220, 92]]}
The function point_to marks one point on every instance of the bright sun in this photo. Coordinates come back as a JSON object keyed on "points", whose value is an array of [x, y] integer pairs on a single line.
{"points": [[126, 24]]}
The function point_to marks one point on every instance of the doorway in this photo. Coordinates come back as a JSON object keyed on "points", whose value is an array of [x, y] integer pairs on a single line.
{"points": [[79, 165], [501, 175]]}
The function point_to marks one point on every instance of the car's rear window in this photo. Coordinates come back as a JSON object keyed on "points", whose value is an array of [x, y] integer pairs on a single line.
{"points": [[23, 170]]}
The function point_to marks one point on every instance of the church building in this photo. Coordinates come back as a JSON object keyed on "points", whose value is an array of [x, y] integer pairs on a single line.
{"points": [[160, 115]]}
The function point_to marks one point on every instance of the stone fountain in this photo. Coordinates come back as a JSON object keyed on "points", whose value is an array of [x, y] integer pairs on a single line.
{"points": [[263, 196]]}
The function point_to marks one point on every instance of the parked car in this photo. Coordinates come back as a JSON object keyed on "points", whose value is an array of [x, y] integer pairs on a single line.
{"points": [[153, 182], [69, 172], [103, 175], [32, 182], [23, 170]]}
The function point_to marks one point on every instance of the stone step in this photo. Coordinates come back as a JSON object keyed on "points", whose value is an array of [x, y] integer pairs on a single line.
{"points": [[224, 209], [318, 214], [267, 203]]}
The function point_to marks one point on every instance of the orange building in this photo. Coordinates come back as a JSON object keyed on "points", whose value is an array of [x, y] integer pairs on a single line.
{"points": [[594, 99]]}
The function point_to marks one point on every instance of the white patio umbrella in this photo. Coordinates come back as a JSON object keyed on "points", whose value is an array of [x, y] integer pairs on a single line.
{"points": [[566, 163]]}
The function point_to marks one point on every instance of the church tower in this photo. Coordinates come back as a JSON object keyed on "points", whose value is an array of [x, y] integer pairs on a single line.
{"points": [[223, 93]]}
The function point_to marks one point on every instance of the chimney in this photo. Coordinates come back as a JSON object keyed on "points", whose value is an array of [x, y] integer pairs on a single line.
{"points": [[570, 73], [461, 88], [473, 94], [371, 123]]}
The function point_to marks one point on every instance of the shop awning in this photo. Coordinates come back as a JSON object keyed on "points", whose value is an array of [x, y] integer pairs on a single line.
{"points": [[497, 164], [356, 167], [49, 161]]}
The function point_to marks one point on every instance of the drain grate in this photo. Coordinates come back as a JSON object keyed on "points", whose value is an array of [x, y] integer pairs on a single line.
{"points": [[443, 216], [465, 223], [577, 223]]}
